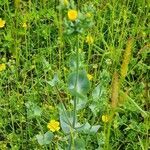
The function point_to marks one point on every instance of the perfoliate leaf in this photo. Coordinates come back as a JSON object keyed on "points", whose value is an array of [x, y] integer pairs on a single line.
{"points": [[45, 139], [79, 144], [87, 128], [79, 84], [66, 119], [81, 103]]}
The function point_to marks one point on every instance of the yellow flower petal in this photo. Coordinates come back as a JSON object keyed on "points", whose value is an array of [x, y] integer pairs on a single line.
{"points": [[72, 15], [24, 25], [89, 39], [2, 67], [53, 126], [90, 77], [2, 23], [105, 118]]}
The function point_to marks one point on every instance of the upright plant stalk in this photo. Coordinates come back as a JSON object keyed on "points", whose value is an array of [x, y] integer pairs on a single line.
{"points": [[114, 103], [76, 97], [77, 74]]}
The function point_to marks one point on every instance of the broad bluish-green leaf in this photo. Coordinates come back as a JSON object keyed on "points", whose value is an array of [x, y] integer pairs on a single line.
{"points": [[94, 129], [66, 119], [79, 144], [45, 139], [79, 84], [96, 93], [81, 103], [87, 128]]}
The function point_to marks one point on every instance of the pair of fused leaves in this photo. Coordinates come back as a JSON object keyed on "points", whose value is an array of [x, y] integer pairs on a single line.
{"points": [[44, 139], [78, 83], [66, 120]]}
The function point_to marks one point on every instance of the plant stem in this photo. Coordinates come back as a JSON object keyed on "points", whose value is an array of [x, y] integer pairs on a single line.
{"points": [[77, 73], [76, 97], [107, 147]]}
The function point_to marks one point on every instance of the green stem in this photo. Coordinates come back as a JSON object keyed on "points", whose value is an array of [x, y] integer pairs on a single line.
{"points": [[76, 97], [77, 71], [107, 146], [74, 112]]}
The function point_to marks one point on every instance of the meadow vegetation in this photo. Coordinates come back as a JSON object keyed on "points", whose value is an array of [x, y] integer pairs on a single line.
{"points": [[74, 74]]}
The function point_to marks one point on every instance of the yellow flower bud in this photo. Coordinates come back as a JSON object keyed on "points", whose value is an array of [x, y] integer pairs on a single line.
{"points": [[90, 77], [89, 39], [2, 67], [105, 118], [24, 25]]}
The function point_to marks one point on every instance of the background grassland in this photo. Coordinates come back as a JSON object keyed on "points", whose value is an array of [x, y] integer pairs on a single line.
{"points": [[37, 54]]}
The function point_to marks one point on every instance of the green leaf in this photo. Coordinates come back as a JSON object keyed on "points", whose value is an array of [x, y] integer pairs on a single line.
{"points": [[94, 108], [79, 84], [94, 129], [37, 111], [66, 119], [54, 81], [79, 144], [73, 62], [84, 127], [45, 139], [81, 103], [33, 110], [87, 128], [96, 93]]}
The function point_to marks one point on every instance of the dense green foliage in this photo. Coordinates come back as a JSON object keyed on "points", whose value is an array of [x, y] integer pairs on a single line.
{"points": [[90, 74]]}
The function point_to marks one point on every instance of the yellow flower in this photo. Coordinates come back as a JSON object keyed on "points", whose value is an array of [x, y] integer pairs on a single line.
{"points": [[90, 77], [89, 39], [2, 23], [53, 125], [2, 67], [105, 118], [24, 25], [72, 14]]}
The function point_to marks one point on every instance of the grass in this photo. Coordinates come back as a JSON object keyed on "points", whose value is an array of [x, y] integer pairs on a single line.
{"points": [[44, 62]]}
